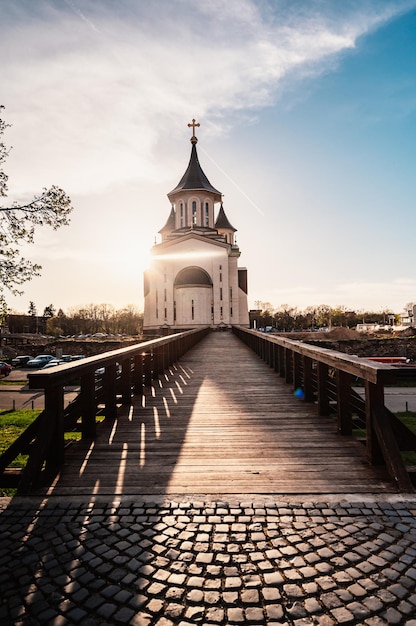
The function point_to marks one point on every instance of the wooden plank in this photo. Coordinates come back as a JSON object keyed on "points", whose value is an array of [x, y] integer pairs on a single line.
{"points": [[219, 421]]}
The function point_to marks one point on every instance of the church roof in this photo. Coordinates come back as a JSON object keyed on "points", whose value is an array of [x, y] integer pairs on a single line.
{"points": [[170, 224], [201, 237], [194, 178], [222, 220]]}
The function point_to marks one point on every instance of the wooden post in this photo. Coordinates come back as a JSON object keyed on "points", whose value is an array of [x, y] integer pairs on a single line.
{"points": [[147, 366], [297, 371], [276, 357], [156, 363], [48, 446], [323, 391], [344, 418], [110, 397], [270, 353], [138, 374], [374, 404], [126, 381], [282, 362], [88, 406], [382, 445], [54, 409], [289, 365], [308, 379], [166, 356]]}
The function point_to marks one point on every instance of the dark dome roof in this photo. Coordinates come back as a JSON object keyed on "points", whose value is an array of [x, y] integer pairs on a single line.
{"points": [[222, 221], [192, 276], [194, 178]]}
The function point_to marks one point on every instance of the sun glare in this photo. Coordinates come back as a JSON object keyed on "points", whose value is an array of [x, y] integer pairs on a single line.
{"points": [[187, 255]]}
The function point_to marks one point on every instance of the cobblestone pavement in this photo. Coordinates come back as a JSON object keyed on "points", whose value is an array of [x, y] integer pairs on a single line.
{"points": [[254, 560]]}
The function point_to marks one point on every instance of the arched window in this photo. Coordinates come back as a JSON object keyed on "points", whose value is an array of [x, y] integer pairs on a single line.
{"points": [[193, 212], [206, 214]]}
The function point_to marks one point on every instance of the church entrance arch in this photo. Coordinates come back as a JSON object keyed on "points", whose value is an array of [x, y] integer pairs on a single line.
{"points": [[193, 297]]}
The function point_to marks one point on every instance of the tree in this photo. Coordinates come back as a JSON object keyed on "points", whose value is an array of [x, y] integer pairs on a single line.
{"points": [[285, 317], [17, 226], [97, 318], [49, 311]]}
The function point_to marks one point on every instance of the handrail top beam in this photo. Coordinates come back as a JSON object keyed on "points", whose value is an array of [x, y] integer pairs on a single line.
{"points": [[59, 374], [372, 371]]}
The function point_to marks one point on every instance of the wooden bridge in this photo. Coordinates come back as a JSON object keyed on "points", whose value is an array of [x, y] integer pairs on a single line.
{"points": [[201, 413]]}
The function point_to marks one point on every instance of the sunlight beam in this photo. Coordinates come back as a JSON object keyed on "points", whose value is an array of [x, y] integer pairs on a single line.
{"points": [[156, 422], [142, 457]]}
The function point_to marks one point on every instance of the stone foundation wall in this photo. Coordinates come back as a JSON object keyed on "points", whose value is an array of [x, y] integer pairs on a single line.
{"points": [[372, 347]]}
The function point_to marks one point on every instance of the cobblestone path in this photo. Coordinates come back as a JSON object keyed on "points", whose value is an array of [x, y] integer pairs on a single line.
{"points": [[254, 561]]}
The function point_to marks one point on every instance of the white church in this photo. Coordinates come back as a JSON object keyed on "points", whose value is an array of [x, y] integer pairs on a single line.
{"points": [[194, 279]]}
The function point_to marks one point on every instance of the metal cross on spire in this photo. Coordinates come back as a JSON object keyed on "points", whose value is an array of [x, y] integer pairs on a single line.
{"points": [[193, 125]]}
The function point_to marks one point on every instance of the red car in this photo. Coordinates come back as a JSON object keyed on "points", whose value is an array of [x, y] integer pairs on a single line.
{"points": [[5, 368]]}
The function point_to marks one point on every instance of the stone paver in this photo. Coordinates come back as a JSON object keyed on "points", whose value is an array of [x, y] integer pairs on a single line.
{"points": [[244, 561]]}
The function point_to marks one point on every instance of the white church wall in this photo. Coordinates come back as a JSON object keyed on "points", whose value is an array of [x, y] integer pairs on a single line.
{"points": [[193, 305]]}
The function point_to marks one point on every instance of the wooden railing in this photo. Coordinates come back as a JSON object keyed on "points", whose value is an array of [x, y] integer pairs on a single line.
{"points": [[104, 382], [328, 378]]}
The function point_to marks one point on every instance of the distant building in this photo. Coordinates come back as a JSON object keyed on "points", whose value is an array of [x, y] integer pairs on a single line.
{"points": [[368, 328], [194, 279], [30, 324], [408, 318]]}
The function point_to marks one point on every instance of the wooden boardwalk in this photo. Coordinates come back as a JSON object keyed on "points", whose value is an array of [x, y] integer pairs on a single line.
{"points": [[219, 422]]}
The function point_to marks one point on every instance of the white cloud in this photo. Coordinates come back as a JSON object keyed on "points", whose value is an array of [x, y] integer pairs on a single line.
{"points": [[99, 94], [91, 90]]}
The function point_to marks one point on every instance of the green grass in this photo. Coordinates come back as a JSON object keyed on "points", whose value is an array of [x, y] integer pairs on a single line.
{"points": [[409, 419], [12, 424]]}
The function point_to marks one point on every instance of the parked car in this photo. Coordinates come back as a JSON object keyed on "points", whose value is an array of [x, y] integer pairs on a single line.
{"points": [[21, 361], [52, 363], [40, 360], [5, 368]]}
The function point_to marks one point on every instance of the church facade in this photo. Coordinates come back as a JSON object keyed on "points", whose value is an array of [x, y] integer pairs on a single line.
{"points": [[194, 279]]}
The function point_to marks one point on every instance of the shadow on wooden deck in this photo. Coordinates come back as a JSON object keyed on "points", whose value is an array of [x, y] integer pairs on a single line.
{"points": [[220, 421]]}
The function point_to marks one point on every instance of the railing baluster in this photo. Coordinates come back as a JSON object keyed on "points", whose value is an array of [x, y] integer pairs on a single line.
{"points": [[126, 387], [297, 371], [88, 405], [282, 362], [289, 365], [276, 357], [147, 368], [324, 407], [138, 374], [344, 420], [54, 410], [110, 397], [308, 379]]}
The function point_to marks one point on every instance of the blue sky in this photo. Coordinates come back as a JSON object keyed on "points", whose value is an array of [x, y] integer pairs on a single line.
{"points": [[308, 127]]}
